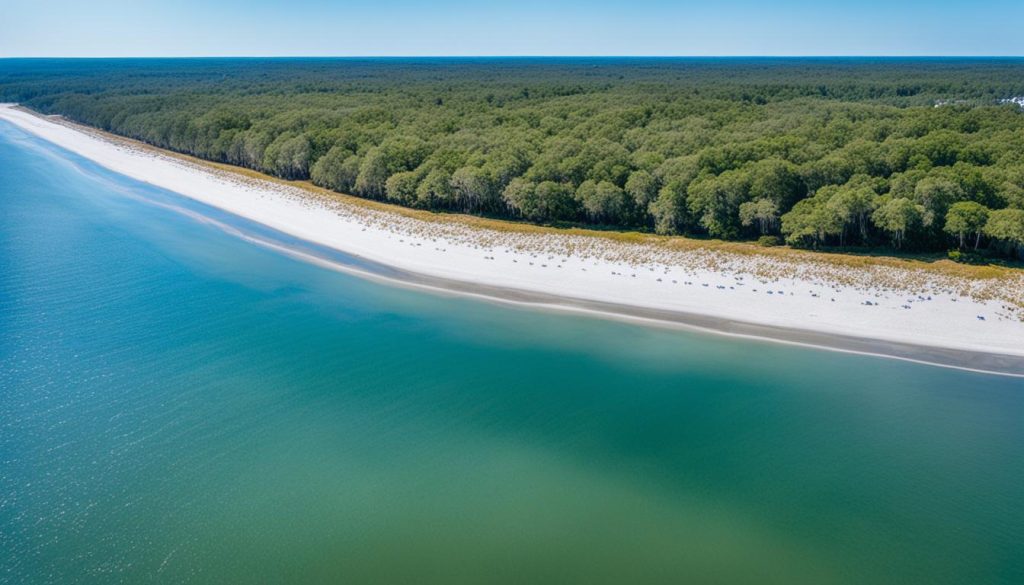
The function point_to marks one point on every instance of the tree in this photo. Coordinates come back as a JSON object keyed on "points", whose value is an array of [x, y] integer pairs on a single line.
{"points": [[642, 187], [904, 184], [1007, 226], [373, 174], [833, 169], [404, 153], [252, 146], [401, 187], [966, 217], [810, 220], [288, 157], [555, 200], [764, 212], [669, 209], [521, 197], [435, 191], [715, 200], [601, 201], [941, 147], [935, 195], [776, 180], [896, 216], [472, 188], [337, 170], [612, 165], [851, 204]]}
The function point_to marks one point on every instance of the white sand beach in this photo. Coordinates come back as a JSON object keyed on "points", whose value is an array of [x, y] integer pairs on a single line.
{"points": [[909, 305]]}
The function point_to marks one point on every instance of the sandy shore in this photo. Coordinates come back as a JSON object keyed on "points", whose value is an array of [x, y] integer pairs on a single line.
{"points": [[911, 313]]}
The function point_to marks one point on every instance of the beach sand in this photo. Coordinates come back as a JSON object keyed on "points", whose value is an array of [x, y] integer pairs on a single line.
{"points": [[909, 313]]}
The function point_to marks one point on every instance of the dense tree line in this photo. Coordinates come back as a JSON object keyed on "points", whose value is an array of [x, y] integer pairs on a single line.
{"points": [[917, 154]]}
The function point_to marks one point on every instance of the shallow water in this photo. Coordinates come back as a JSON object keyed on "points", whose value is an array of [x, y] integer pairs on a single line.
{"points": [[180, 405]]}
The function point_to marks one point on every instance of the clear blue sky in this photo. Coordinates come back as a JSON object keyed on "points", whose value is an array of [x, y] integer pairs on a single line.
{"points": [[520, 27]]}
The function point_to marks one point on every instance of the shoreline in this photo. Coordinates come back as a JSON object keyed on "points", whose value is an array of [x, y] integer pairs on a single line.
{"points": [[977, 362], [798, 301], [965, 360]]}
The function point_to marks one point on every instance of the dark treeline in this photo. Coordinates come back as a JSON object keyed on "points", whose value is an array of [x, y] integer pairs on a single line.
{"points": [[918, 154]]}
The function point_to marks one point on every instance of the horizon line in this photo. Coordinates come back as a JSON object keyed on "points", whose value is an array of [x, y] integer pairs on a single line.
{"points": [[574, 56]]}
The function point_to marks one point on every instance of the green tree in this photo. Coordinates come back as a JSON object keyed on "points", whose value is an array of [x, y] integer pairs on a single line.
{"points": [[935, 195], [810, 221], [373, 174], [556, 201], [776, 180], [472, 188], [715, 201], [601, 201], [851, 204], [896, 216], [763, 212], [401, 187], [435, 191], [941, 147], [253, 145], [288, 157], [642, 187], [520, 195], [337, 170], [669, 210], [1007, 226], [966, 217]]}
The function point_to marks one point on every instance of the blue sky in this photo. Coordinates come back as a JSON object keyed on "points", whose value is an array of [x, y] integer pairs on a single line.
{"points": [[521, 27]]}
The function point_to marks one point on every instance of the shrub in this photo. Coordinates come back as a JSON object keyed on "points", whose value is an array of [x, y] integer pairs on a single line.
{"points": [[966, 257]]}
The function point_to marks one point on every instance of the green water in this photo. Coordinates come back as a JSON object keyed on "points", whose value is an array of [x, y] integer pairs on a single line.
{"points": [[178, 404]]}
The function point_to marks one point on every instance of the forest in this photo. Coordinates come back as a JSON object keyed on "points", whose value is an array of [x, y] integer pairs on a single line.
{"points": [[910, 155]]}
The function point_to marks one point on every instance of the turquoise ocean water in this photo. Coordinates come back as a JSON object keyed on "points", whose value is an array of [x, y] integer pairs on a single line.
{"points": [[179, 405]]}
